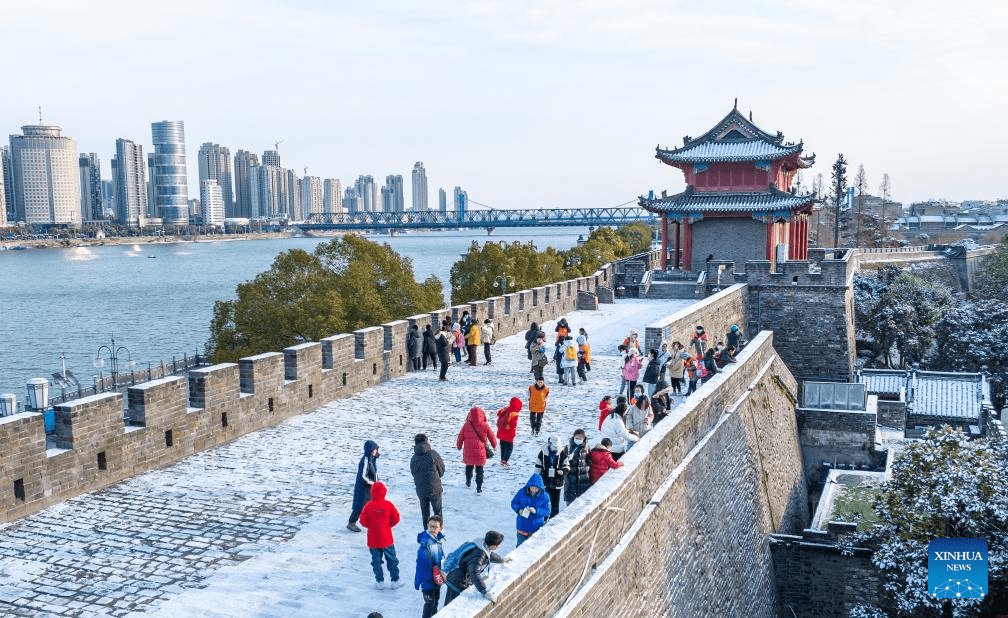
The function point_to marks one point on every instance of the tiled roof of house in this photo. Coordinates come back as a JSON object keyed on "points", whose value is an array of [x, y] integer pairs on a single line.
{"points": [[935, 394]]}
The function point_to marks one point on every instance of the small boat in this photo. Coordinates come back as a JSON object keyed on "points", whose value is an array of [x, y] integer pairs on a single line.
{"points": [[19, 248], [151, 257]]}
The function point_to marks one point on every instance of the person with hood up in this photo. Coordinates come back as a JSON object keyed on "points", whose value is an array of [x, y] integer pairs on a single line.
{"points": [[584, 355], [710, 365], [427, 468], [532, 506], [413, 347], [539, 357], [614, 428], [471, 567], [429, 555], [507, 427], [458, 341], [443, 343], [605, 407], [552, 466], [367, 475], [577, 481], [562, 330], [601, 461], [379, 516], [472, 440], [632, 343], [429, 350], [530, 337], [569, 362]]}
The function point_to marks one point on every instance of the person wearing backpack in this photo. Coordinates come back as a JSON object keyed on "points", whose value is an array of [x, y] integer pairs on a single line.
{"points": [[530, 336], [568, 362], [429, 555], [532, 506], [465, 565], [539, 358], [584, 355]]}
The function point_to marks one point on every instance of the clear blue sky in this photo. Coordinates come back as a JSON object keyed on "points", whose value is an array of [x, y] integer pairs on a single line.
{"points": [[553, 103]]}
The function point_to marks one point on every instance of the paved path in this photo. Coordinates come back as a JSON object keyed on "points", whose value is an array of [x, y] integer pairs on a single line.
{"points": [[257, 527]]}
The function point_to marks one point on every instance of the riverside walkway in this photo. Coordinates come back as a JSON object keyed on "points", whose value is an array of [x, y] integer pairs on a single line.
{"points": [[257, 527]]}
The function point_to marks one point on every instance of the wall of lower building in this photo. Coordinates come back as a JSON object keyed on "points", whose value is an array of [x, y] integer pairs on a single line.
{"points": [[682, 529], [814, 580], [730, 239]]}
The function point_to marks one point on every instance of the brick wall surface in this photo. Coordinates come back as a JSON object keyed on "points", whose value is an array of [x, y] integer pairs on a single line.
{"points": [[736, 240], [815, 581], [716, 314]]}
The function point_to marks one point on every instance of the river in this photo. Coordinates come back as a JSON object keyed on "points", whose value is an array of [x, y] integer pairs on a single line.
{"points": [[157, 298]]}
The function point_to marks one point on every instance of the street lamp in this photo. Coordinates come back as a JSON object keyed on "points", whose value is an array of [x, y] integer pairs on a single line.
{"points": [[114, 354], [502, 282]]}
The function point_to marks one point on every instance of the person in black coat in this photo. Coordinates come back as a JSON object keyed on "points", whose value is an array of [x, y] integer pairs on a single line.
{"points": [[427, 468], [553, 466], [367, 475], [429, 348], [443, 343], [530, 337], [709, 364], [413, 346], [577, 481]]}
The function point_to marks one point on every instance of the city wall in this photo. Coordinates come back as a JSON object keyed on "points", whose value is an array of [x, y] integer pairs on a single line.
{"points": [[105, 438], [683, 529]]}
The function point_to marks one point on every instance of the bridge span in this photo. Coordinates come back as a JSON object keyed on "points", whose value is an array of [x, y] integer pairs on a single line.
{"points": [[488, 219]]}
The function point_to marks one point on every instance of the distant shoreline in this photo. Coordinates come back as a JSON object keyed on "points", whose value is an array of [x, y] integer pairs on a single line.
{"points": [[65, 243]]}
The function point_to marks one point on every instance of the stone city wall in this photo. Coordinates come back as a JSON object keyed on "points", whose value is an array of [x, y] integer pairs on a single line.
{"points": [[105, 438], [683, 529]]}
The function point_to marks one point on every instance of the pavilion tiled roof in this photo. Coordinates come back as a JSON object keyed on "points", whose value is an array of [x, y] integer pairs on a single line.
{"points": [[734, 138], [689, 201]]}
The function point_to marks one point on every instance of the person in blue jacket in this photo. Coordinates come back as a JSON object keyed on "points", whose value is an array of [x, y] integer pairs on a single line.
{"points": [[532, 505], [367, 475], [429, 555]]}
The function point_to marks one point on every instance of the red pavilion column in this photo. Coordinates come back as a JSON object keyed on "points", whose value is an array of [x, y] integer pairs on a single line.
{"points": [[770, 239], [664, 242], [676, 257], [803, 237], [687, 244]]}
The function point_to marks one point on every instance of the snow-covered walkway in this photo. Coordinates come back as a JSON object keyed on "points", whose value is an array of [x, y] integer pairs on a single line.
{"points": [[258, 527]]}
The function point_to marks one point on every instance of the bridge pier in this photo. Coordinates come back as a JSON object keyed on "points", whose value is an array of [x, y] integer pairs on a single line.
{"points": [[490, 231]]}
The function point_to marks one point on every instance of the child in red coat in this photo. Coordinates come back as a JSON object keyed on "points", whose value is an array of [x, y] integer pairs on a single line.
{"points": [[605, 407], [601, 461], [378, 516], [507, 426]]}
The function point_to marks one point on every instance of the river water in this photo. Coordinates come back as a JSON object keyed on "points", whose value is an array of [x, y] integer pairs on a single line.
{"points": [[157, 298]]}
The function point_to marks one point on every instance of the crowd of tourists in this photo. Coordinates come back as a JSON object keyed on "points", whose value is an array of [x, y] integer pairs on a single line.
{"points": [[563, 467]]}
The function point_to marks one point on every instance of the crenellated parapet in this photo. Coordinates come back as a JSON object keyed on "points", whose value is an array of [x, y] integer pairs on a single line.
{"points": [[106, 438]]}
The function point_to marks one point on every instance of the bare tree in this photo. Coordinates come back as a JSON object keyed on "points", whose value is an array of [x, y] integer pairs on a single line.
{"points": [[839, 188], [861, 184], [885, 190]]}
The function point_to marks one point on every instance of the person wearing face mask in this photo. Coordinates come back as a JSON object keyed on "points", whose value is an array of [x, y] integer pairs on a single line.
{"points": [[552, 466], [577, 480]]}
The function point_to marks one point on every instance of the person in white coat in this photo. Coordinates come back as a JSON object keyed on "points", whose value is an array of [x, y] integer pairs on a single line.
{"points": [[614, 427]]}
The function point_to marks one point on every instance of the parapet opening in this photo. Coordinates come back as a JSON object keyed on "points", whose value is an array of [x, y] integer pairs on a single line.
{"points": [[344, 379], [309, 391], [168, 440], [269, 404], [400, 360], [794, 280], [374, 369], [19, 489], [223, 419], [102, 462]]}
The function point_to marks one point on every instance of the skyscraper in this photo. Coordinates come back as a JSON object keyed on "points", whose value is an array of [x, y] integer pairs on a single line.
{"points": [[45, 174], [246, 199], [460, 203], [129, 182], [419, 186], [90, 187], [292, 197], [212, 203], [271, 184], [171, 191], [271, 158], [351, 201], [392, 193], [332, 196], [311, 195], [3, 197], [367, 193], [152, 210], [215, 164], [442, 200], [7, 180]]}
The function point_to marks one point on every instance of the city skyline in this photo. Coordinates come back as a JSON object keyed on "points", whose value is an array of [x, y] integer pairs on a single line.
{"points": [[490, 92]]}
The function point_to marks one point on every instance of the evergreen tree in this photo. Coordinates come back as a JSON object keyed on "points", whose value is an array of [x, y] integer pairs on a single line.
{"points": [[839, 186]]}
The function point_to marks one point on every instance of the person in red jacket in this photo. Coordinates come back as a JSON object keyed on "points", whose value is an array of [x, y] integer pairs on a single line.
{"points": [[601, 461], [605, 407], [507, 426], [474, 435], [379, 516]]}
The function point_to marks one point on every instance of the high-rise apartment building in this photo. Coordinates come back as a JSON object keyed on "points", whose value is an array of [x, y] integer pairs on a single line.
{"points": [[332, 196], [129, 182], [89, 168], [151, 203], [292, 197], [215, 164], [246, 199], [367, 193], [7, 180], [171, 191], [419, 186], [272, 187], [212, 203], [271, 158], [3, 197], [442, 200], [392, 193], [351, 201], [460, 203], [312, 196], [108, 197], [45, 176]]}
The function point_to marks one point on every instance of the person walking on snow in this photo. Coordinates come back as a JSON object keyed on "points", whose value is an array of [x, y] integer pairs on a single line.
{"points": [[577, 481], [569, 361], [538, 394], [367, 475], [473, 342], [532, 506], [553, 466], [429, 555], [507, 426], [584, 355], [379, 517], [472, 439], [427, 468], [539, 357], [530, 336], [443, 343]]}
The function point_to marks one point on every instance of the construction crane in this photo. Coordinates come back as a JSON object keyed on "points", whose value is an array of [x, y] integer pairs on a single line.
{"points": [[305, 170], [276, 145]]}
